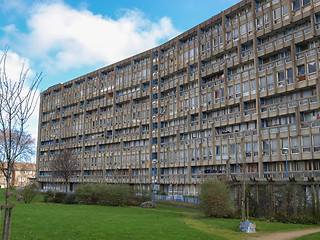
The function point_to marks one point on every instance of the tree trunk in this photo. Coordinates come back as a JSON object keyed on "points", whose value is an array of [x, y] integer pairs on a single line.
{"points": [[66, 186], [7, 213], [7, 189]]}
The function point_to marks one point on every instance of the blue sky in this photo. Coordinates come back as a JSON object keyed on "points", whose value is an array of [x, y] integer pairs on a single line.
{"points": [[67, 39]]}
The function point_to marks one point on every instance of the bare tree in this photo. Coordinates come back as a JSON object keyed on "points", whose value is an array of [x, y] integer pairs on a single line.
{"points": [[17, 104], [23, 145], [64, 165]]}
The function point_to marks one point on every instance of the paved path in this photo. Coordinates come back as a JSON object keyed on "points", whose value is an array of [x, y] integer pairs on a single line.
{"points": [[287, 235]]}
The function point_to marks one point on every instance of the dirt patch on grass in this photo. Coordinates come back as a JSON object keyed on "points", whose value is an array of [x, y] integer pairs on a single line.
{"points": [[287, 235]]}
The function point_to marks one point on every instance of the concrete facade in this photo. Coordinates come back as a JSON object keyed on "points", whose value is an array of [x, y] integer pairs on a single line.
{"points": [[238, 91]]}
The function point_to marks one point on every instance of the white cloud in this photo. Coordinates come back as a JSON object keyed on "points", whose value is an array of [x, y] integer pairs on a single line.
{"points": [[14, 64], [16, 5], [63, 37]]}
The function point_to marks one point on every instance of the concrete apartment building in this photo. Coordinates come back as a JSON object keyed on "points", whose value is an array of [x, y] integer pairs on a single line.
{"points": [[240, 89]]}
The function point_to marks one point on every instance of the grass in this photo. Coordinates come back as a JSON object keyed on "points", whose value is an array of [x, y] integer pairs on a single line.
{"points": [[58, 221], [313, 236]]}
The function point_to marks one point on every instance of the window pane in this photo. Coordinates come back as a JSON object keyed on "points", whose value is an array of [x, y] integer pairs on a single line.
{"points": [[285, 10], [289, 73], [274, 147], [243, 29], [312, 67], [235, 33], [305, 2], [305, 144], [294, 145], [238, 89], [316, 143], [295, 5], [280, 76], [301, 70], [262, 81], [276, 14]]}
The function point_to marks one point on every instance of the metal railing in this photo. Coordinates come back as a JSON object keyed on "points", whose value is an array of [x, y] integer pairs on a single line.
{"points": [[177, 198]]}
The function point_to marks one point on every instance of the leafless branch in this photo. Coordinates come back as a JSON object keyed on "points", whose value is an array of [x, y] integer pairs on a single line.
{"points": [[17, 103], [64, 165]]}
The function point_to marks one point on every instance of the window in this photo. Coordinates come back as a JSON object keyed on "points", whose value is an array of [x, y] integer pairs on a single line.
{"points": [[221, 41], [238, 90], [259, 23], [204, 100], [255, 149], [186, 55], [248, 149], [250, 27], [274, 147], [218, 150], [228, 37], [316, 143], [245, 86], [208, 46], [209, 98], [230, 92], [154, 140], [215, 42], [285, 10], [312, 67], [289, 76], [305, 2], [253, 86], [316, 18], [203, 48], [295, 5], [224, 152], [265, 148], [155, 111], [266, 18], [270, 81], [155, 96], [216, 97], [222, 94], [280, 76], [276, 15], [204, 153], [262, 82], [301, 70], [284, 143], [243, 29], [294, 145], [305, 140], [191, 53], [235, 34]]}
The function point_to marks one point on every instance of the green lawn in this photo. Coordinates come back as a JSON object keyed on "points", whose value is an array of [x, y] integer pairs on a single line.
{"points": [[313, 236], [58, 221]]}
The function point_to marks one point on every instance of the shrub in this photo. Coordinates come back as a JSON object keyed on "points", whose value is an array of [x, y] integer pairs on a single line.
{"points": [[101, 194], [301, 219], [48, 196], [111, 194], [69, 199], [134, 197], [59, 197], [215, 199], [84, 193], [29, 192]]}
